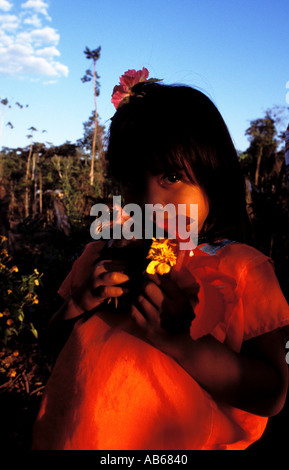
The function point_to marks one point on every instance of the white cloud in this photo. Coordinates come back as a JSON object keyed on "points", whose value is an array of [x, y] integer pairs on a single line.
{"points": [[20, 51], [37, 5], [5, 5], [5, 40], [19, 60], [48, 52], [45, 35], [34, 20], [36, 65], [49, 82], [6, 18], [9, 22], [28, 48]]}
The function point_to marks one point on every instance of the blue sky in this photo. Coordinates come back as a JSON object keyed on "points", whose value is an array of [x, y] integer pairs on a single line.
{"points": [[236, 51]]}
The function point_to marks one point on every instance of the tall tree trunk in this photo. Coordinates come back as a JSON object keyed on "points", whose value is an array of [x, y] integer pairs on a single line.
{"points": [[33, 178], [249, 201], [12, 203], [40, 191], [27, 189], [102, 165], [95, 127], [259, 159], [35, 198]]}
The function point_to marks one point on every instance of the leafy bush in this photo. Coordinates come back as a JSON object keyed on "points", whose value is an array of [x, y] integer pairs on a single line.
{"points": [[17, 296]]}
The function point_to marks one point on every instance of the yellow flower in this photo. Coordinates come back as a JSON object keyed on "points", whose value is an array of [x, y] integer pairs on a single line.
{"points": [[162, 255], [36, 282], [4, 239], [12, 373], [1, 315], [14, 268], [36, 272], [36, 301]]}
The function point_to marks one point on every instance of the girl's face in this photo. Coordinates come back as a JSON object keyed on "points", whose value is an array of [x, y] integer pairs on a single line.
{"points": [[176, 188]]}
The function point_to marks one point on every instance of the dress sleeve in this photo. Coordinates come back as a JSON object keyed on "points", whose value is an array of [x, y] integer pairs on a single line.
{"points": [[81, 268], [264, 305]]}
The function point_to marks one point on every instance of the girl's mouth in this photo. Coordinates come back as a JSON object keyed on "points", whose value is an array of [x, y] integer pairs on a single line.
{"points": [[172, 227]]}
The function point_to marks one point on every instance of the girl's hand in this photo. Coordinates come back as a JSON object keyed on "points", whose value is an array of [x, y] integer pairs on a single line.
{"points": [[162, 311], [101, 284]]}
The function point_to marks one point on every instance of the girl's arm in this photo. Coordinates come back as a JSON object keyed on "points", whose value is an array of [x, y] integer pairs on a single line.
{"points": [[256, 380]]}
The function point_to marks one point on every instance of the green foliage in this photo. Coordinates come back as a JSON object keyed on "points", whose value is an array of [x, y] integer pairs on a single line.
{"points": [[262, 161], [17, 295], [92, 54], [243, 155], [263, 166], [30, 187], [88, 130]]}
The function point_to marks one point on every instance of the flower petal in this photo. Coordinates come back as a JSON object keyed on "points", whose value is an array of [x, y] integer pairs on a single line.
{"points": [[127, 82], [151, 268], [163, 268]]}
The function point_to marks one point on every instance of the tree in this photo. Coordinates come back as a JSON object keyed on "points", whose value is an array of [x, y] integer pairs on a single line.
{"points": [[267, 196], [86, 143], [263, 145], [28, 173], [262, 161], [93, 55]]}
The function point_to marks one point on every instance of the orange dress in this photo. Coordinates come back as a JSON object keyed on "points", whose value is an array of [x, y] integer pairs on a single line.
{"points": [[111, 390]]}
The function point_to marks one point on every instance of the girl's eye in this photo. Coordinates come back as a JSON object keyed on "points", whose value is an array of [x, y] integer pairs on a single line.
{"points": [[171, 178]]}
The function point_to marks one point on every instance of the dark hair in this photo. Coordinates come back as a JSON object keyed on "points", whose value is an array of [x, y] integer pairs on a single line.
{"points": [[175, 127]]}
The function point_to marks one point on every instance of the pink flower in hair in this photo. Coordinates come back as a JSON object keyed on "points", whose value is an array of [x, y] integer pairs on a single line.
{"points": [[127, 81]]}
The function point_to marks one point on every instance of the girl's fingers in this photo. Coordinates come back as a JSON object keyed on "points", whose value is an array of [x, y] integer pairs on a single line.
{"points": [[147, 309], [116, 264], [105, 292], [112, 278], [167, 285], [108, 266], [138, 317], [154, 294], [105, 278]]}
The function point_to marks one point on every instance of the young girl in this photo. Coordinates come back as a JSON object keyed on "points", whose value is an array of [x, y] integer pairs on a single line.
{"points": [[196, 358]]}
